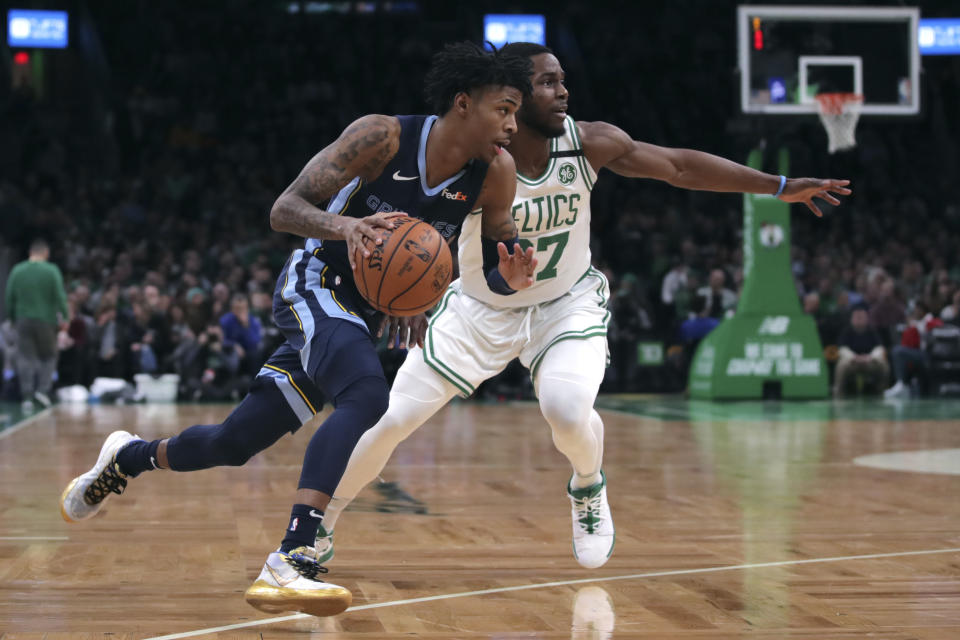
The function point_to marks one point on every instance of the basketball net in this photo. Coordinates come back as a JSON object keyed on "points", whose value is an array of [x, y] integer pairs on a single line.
{"points": [[839, 113]]}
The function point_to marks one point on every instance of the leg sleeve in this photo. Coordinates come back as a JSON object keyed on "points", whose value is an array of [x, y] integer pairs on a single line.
{"points": [[418, 392], [260, 419], [350, 374], [568, 379]]}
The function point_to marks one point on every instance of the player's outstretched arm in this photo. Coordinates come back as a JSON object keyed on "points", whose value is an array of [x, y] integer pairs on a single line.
{"points": [[608, 146], [362, 150], [507, 270]]}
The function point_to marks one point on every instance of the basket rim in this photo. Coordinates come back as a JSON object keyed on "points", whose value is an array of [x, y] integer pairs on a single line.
{"points": [[833, 102]]}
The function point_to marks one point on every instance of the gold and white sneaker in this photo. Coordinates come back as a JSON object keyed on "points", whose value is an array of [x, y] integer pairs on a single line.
{"points": [[85, 494], [593, 532], [289, 582]]}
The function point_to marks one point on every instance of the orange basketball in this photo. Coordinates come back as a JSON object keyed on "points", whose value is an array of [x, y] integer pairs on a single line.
{"points": [[409, 272]]}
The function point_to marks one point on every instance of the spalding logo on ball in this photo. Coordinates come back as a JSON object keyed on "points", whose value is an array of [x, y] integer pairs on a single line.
{"points": [[409, 272]]}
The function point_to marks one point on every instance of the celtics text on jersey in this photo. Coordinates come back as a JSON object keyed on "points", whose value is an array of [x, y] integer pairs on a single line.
{"points": [[552, 213]]}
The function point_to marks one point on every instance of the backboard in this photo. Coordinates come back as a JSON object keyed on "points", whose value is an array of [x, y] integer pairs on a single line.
{"points": [[788, 54]]}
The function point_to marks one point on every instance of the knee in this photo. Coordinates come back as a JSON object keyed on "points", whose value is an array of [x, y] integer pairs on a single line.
{"points": [[565, 407], [229, 446], [231, 451], [367, 399]]}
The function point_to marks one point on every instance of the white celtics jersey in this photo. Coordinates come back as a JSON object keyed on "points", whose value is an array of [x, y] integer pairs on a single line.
{"points": [[552, 213]]}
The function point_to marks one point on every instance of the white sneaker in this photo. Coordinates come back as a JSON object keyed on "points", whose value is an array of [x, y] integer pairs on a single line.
{"points": [[593, 533], [898, 390], [323, 545], [593, 616], [85, 494], [289, 582]]}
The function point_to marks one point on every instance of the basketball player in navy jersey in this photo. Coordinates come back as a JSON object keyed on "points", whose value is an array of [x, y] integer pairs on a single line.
{"points": [[558, 326], [438, 169]]}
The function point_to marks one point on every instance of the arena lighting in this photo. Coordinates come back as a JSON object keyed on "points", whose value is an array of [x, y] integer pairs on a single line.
{"points": [[939, 36], [21, 58], [500, 28], [41, 29]]}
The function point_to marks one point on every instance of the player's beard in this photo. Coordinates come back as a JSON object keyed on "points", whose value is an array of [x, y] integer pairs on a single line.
{"points": [[540, 126]]}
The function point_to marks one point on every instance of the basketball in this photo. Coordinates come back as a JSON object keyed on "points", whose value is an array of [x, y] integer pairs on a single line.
{"points": [[409, 272]]}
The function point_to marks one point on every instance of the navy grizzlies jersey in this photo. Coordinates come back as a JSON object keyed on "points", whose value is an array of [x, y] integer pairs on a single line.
{"points": [[317, 282], [402, 186], [323, 264]]}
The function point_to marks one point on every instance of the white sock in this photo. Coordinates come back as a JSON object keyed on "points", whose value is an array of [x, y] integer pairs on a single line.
{"points": [[582, 482]]}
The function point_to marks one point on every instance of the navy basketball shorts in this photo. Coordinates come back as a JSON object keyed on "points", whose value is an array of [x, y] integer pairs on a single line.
{"points": [[328, 343]]}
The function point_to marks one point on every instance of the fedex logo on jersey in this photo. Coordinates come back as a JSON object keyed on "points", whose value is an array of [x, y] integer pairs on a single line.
{"points": [[381, 206], [459, 195]]}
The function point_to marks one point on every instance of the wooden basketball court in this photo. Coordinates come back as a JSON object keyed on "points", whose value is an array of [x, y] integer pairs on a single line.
{"points": [[736, 520]]}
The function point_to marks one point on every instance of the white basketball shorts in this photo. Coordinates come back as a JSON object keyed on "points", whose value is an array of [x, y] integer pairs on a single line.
{"points": [[469, 341]]}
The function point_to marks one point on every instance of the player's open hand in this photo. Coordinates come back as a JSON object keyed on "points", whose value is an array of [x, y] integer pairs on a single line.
{"points": [[361, 228], [409, 329], [806, 189], [516, 268]]}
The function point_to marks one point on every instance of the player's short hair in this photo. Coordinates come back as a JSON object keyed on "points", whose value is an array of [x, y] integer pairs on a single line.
{"points": [[465, 67], [524, 49], [39, 245]]}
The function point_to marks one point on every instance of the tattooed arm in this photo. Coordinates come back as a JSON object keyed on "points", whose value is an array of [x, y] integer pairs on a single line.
{"points": [[497, 224], [362, 150]]}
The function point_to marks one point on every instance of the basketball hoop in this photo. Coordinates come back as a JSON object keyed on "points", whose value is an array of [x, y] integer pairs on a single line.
{"points": [[839, 113]]}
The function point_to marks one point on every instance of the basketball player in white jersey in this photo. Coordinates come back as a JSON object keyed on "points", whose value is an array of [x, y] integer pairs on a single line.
{"points": [[557, 327]]}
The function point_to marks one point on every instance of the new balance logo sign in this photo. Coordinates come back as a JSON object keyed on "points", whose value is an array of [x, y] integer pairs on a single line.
{"points": [[459, 195], [774, 325], [397, 176]]}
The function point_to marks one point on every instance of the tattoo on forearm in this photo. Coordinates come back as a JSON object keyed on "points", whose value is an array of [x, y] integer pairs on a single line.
{"points": [[362, 150], [319, 180], [337, 165], [293, 214]]}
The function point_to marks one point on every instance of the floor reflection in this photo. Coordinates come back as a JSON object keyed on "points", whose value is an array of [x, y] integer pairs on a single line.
{"points": [[593, 616], [769, 466]]}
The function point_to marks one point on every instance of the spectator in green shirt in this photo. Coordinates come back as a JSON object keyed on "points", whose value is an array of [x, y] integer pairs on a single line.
{"points": [[35, 297]]}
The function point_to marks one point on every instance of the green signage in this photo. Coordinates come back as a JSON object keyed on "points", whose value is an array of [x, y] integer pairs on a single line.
{"points": [[650, 354], [769, 342]]}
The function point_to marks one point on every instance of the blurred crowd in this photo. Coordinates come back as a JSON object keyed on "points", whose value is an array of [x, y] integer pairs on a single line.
{"points": [[154, 188]]}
